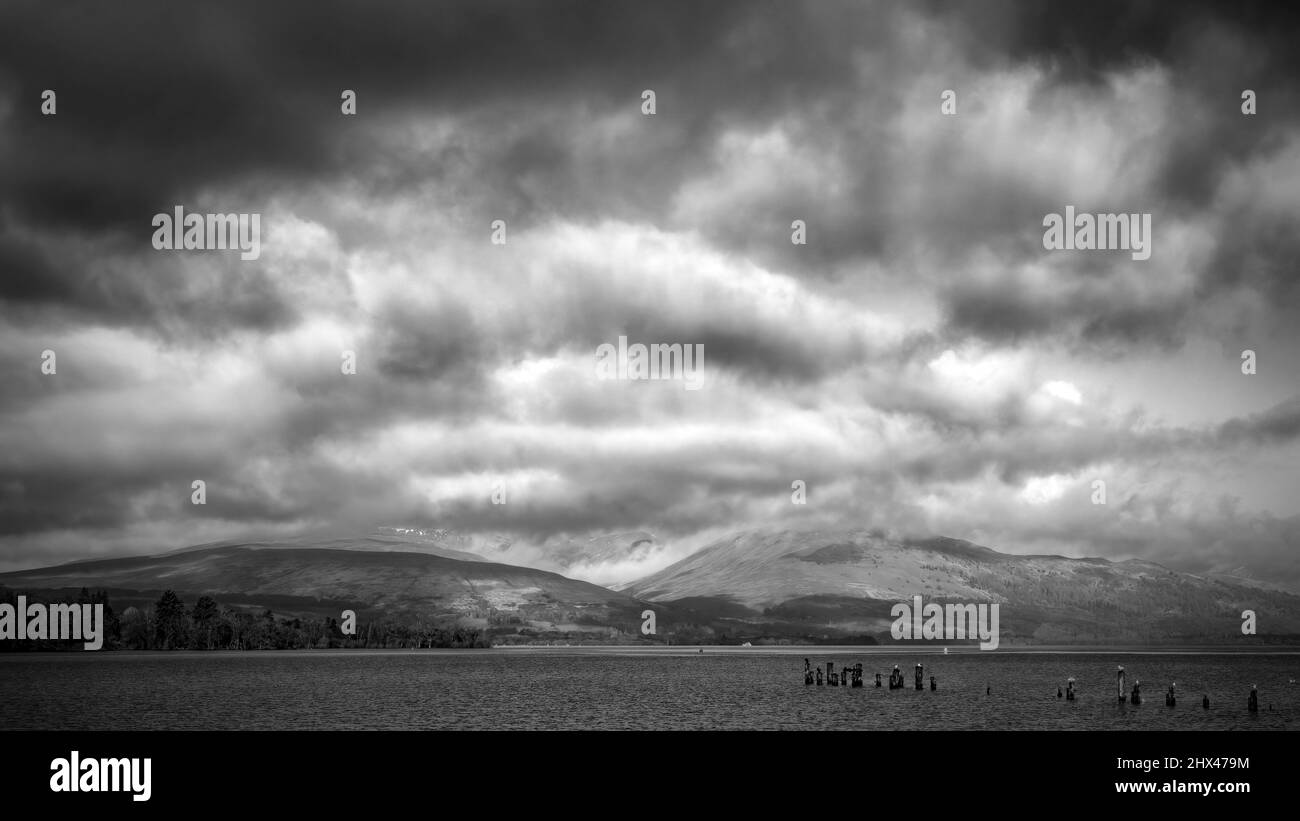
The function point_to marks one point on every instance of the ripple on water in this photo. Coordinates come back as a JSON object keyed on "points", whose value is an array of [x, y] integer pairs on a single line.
{"points": [[617, 691]]}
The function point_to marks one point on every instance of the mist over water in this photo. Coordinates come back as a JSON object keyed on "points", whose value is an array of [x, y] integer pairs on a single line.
{"points": [[617, 689]]}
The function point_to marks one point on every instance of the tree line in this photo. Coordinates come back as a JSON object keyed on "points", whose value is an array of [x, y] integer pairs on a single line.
{"points": [[168, 624]]}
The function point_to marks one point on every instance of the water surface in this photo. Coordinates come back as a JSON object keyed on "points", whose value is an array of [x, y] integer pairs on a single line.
{"points": [[631, 688]]}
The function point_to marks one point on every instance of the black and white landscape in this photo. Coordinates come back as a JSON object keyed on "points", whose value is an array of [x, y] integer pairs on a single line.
{"points": [[655, 325], [774, 588]]}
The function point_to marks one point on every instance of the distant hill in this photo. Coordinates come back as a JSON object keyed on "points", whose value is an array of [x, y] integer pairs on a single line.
{"points": [[766, 586], [846, 582], [315, 581]]}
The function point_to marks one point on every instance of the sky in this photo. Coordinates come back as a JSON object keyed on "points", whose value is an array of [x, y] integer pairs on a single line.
{"points": [[922, 364]]}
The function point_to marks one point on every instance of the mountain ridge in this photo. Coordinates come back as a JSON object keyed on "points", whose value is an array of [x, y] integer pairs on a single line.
{"points": [[785, 586], [315, 582], [847, 580]]}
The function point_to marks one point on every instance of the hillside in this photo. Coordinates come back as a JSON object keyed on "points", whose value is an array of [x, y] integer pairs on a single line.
{"points": [[320, 581], [846, 582], [759, 586]]}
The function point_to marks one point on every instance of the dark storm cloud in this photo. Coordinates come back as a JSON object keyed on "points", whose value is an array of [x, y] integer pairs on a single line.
{"points": [[1085, 313], [154, 110], [158, 105], [1258, 253], [28, 275], [438, 343], [1103, 35], [1212, 51], [32, 501], [1277, 425], [157, 102], [71, 278]]}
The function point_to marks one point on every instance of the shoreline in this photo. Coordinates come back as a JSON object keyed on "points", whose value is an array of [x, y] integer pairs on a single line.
{"points": [[682, 651]]}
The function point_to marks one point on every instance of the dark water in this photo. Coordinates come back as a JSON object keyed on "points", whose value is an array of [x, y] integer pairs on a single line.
{"points": [[578, 688]]}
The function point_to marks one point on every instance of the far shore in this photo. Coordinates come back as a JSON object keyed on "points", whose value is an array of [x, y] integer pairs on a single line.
{"points": [[694, 651]]}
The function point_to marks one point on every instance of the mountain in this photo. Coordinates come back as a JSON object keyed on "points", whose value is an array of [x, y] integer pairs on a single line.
{"points": [[758, 586], [844, 583], [319, 581]]}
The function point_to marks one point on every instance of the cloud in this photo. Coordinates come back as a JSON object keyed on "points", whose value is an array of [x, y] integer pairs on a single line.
{"points": [[922, 363]]}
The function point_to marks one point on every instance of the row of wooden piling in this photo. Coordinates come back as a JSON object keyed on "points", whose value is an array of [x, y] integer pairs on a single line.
{"points": [[1171, 695], [851, 676]]}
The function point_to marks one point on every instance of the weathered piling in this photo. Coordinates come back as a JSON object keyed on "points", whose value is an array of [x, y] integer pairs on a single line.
{"points": [[1069, 689], [1205, 702], [1136, 697], [933, 685], [877, 679], [1253, 704], [1171, 698], [1123, 696], [819, 677], [920, 677]]}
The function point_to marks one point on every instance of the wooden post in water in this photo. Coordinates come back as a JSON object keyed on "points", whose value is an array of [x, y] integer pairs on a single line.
{"points": [[920, 677], [1069, 689], [1123, 696], [1253, 704]]}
